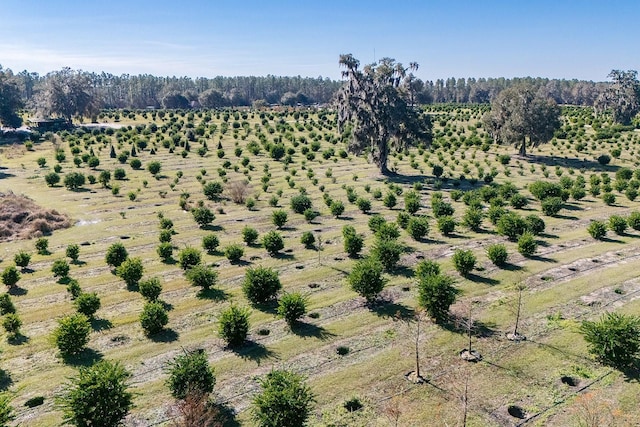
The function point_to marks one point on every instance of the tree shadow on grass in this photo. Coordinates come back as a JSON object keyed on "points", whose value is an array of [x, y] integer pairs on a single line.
{"points": [[270, 307], [87, 357], [541, 258], [388, 309], [511, 267], [227, 415], [213, 294], [567, 217], [404, 271], [101, 324], [5, 380], [16, 290], [18, 339], [212, 227], [240, 263], [548, 236], [309, 330], [610, 240], [632, 373], [166, 305], [254, 351], [283, 256], [458, 324], [165, 336], [482, 279]]}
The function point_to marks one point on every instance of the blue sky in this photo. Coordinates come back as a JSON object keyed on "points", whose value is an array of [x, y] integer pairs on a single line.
{"points": [[557, 39]]}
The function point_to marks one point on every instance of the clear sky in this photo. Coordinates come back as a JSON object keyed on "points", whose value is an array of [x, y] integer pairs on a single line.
{"points": [[502, 38]]}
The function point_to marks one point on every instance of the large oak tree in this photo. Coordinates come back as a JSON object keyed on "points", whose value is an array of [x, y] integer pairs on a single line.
{"points": [[519, 115], [374, 109]]}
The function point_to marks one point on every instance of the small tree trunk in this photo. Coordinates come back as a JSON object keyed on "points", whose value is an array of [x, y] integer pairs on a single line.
{"points": [[418, 350], [523, 147], [515, 329]]}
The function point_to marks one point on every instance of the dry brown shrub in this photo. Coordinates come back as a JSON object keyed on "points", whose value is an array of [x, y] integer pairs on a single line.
{"points": [[238, 191], [197, 411], [22, 218]]}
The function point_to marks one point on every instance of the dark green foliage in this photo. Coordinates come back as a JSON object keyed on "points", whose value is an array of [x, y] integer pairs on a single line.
{"points": [[418, 227], [22, 259], [353, 242], [494, 213], [388, 231], [52, 179], [74, 180], [234, 252], [6, 410], [307, 239], [273, 242], [473, 218], [119, 174], [73, 252], [291, 307], [72, 334], [518, 201], [464, 261], [150, 289], [284, 400], [387, 252], [617, 224], [87, 304], [11, 324], [42, 246], [336, 208], [511, 225], [202, 276], [6, 305], [300, 203], [60, 268], [551, 205], [436, 293], [210, 243], [614, 339], [188, 257], [604, 159], [366, 278], [527, 244], [497, 253], [597, 229], [190, 373], [375, 222], [249, 235], [279, 217], [609, 199], [427, 267], [402, 219], [542, 190], [633, 220], [260, 284], [233, 325], [310, 214], [165, 251], [74, 289], [10, 276], [389, 200], [446, 225], [97, 396], [135, 163], [363, 204], [412, 202], [154, 167], [153, 318], [203, 216], [116, 254], [441, 208], [534, 224], [165, 236], [131, 271]]}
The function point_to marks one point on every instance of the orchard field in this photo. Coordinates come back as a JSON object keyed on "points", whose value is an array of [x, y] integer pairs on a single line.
{"points": [[354, 354]]}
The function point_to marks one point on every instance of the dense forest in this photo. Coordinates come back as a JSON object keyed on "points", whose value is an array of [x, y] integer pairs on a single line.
{"points": [[141, 91]]}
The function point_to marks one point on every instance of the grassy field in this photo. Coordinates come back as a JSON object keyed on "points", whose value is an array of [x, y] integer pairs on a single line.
{"points": [[572, 277]]}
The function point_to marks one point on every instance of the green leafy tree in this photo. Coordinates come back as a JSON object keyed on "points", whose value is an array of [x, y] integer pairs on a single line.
{"points": [[203, 216], [446, 225], [165, 251], [511, 225], [300, 203], [202, 276], [436, 294], [387, 252], [11, 324], [291, 307], [234, 252], [74, 180], [42, 246], [249, 235], [73, 252], [464, 261], [614, 338], [375, 111], [618, 224], [272, 242], [72, 334], [60, 268], [150, 289], [22, 259], [6, 305], [597, 229], [527, 244], [210, 243], [233, 325], [189, 257], [284, 400], [353, 242], [622, 96], [190, 373], [366, 278], [418, 227], [131, 271], [153, 318], [10, 100], [87, 304], [523, 116], [154, 167], [279, 217], [10, 276], [67, 94], [307, 239], [260, 284], [498, 254], [52, 179], [336, 208], [427, 267], [116, 254], [212, 190], [97, 396]]}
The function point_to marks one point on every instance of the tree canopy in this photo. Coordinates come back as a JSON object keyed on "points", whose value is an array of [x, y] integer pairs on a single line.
{"points": [[67, 94], [622, 96], [519, 115], [374, 109], [10, 99]]}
